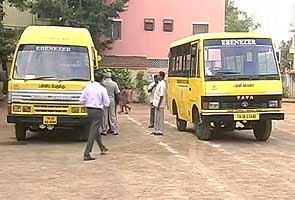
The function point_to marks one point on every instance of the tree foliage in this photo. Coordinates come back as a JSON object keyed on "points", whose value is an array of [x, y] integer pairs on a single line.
{"points": [[285, 56], [122, 76], [237, 20], [8, 37], [94, 15], [141, 82]]}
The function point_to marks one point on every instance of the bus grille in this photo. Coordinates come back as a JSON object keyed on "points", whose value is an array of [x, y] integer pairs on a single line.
{"points": [[56, 109]]}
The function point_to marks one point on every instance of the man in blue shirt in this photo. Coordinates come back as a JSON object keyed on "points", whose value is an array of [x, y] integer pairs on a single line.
{"points": [[95, 97]]}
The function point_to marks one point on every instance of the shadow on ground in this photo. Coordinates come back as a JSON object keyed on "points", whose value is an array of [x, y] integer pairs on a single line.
{"points": [[244, 136], [46, 137]]}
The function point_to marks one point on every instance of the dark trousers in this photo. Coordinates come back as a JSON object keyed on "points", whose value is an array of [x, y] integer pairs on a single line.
{"points": [[152, 115], [95, 117]]}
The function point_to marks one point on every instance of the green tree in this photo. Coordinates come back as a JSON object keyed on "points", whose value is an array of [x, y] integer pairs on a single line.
{"points": [[122, 76], [8, 37], [141, 82], [237, 20], [285, 56], [94, 15]]}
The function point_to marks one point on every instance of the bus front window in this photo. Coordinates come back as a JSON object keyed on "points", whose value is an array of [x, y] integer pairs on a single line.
{"points": [[51, 61], [240, 59]]}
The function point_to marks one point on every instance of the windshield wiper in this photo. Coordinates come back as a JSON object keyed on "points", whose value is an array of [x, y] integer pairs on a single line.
{"points": [[232, 77], [228, 72], [269, 76], [40, 78], [74, 79]]}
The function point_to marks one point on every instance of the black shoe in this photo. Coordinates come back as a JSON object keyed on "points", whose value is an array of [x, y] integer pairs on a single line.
{"points": [[88, 158], [157, 133], [115, 133], [103, 134], [151, 126]]}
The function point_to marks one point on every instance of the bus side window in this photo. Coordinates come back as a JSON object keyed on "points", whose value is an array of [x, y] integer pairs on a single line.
{"points": [[194, 59], [188, 65], [171, 64]]}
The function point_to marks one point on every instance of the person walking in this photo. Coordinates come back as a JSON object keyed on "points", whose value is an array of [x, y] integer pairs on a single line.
{"points": [[110, 118], [94, 97], [125, 101], [159, 102], [151, 91]]}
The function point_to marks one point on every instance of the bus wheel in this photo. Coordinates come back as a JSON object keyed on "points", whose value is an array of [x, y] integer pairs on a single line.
{"points": [[202, 129], [262, 130], [20, 131], [181, 124], [83, 133]]}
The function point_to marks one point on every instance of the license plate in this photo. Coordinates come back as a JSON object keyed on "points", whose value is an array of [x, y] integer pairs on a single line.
{"points": [[50, 120], [246, 116]]}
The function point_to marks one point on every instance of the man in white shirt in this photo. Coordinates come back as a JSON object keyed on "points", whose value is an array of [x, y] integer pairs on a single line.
{"points": [[95, 97], [151, 91], [159, 102]]}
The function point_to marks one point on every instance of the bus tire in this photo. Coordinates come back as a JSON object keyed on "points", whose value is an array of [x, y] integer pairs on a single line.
{"points": [[180, 124], [20, 131], [84, 133], [262, 130], [202, 129]]}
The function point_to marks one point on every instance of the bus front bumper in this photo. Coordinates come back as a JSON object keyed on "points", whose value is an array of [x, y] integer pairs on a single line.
{"points": [[230, 116], [36, 120]]}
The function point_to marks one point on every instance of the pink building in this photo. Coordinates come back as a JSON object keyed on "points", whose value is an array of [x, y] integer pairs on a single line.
{"points": [[145, 31]]}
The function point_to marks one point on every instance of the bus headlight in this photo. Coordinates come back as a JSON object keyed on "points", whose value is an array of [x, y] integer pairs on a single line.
{"points": [[16, 108], [9, 108], [84, 110], [213, 105], [75, 109], [27, 108], [274, 104]]}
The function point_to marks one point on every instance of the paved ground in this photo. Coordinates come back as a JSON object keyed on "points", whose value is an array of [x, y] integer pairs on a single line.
{"points": [[141, 166]]}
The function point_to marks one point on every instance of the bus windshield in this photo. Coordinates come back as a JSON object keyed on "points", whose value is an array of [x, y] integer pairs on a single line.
{"points": [[240, 59], [52, 62]]}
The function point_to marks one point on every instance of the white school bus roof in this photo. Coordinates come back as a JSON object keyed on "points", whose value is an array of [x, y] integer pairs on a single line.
{"points": [[205, 36], [56, 35]]}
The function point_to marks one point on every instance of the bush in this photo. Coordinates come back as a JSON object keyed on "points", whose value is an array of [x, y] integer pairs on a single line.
{"points": [[141, 82], [122, 76], [285, 92]]}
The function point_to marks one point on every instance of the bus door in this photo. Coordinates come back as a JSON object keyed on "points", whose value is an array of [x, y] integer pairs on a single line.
{"points": [[194, 80], [181, 86], [183, 80]]}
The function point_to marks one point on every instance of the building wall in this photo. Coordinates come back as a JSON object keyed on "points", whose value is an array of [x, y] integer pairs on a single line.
{"points": [[293, 39], [135, 41], [15, 18]]}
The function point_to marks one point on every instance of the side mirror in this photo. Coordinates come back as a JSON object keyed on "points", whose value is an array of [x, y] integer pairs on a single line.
{"points": [[3, 76], [278, 56]]}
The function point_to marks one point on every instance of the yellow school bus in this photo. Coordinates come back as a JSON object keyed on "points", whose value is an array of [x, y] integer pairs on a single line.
{"points": [[51, 66], [225, 81]]}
